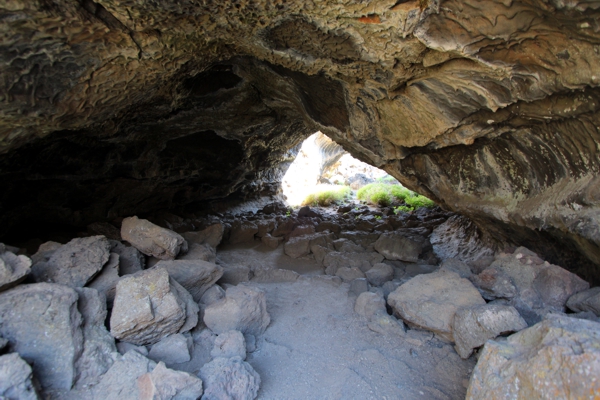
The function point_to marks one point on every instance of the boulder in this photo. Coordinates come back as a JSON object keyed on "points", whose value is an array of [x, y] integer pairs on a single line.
{"points": [[349, 274], [494, 284], [271, 241], [45, 251], [284, 226], [106, 281], [302, 230], [368, 304], [430, 301], [455, 265], [196, 276], [297, 246], [165, 384], [211, 235], [150, 305], [319, 252], [358, 286], [124, 347], [379, 274], [473, 326], [15, 378], [173, 349], [242, 231], [121, 381], [152, 240], [587, 300], [212, 295], [75, 263], [203, 252], [13, 269], [265, 227], [229, 344], [229, 378], [394, 246], [51, 342], [130, 258], [99, 349], [243, 309], [558, 358], [459, 238]]}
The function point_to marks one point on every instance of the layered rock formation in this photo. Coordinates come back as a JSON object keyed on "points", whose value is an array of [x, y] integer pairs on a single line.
{"points": [[120, 107]]}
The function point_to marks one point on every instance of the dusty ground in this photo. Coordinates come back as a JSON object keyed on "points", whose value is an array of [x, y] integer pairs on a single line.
{"points": [[317, 347]]}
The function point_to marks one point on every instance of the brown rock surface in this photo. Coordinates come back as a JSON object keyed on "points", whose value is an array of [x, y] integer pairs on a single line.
{"points": [[151, 239]]}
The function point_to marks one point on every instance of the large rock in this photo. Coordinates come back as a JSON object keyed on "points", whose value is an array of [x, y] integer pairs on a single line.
{"points": [[75, 263], [394, 246], [430, 301], [459, 238], [150, 305], [194, 275], [166, 384], [243, 309], [203, 252], [229, 378], [13, 269], [229, 344], [349, 274], [558, 358], [121, 381], [173, 349], [587, 300], [211, 235], [151, 239], [41, 323], [106, 281], [242, 231], [15, 379], [380, 274], [368, 304], [473, 326], [131, 260]]}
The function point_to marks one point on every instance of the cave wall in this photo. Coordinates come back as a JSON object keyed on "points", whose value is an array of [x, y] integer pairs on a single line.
{"points": [[116, 107]]}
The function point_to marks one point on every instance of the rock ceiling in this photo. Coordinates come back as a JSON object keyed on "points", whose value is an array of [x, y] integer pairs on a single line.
{"points": [[118, 107]]}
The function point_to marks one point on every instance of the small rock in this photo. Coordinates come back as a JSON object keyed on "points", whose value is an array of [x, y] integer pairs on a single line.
{"points": [[121, 380], [270, 241], [173, 349], [151, 239], [211, 235], [75, 263], [306, 212], [130, 258], [558, 358], [473, 326], [13, 269], [369, 303], [349, 274], [455, 265], [587, 300], [386, 325], [389, 287], [394, 246], [242, 231], [212, 295], [297, 246], [348, 246], [229, 378], [379, 274], [196, 276], [229, 344], [358, 286], [106, 281], [15, 378], [493, 284], [244, 309], [163, 384]]}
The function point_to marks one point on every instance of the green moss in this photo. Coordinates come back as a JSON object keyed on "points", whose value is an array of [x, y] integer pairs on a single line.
{"points": [[327, 195], [419, 201], [384, 194], [400, 209]]}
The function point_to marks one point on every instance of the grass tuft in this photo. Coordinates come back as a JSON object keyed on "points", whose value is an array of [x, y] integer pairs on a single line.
{"points": [[384, 194], [327, 194]]}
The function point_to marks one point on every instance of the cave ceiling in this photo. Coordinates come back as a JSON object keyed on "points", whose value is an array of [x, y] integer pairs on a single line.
{"points": [[118, 107]]}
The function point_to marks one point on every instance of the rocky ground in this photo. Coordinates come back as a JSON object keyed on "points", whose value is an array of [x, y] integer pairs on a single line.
{"points": [[343, 303]]}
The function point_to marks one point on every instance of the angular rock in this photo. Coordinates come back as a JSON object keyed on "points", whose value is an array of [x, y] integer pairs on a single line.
{"points": [[13, 269], [15, 378], [45, 251], [306, 212], [265, 227], [51, 342], [212, 295], [329, 226], [380, 274], [75, 263], [362, 239], [196, 276], [455, 265], [386, 325], [211, 235], [525, 365], [394, 246], [173, 349], [271, 241], [165, 384], [130, 258], [473, 326], [493, 284], [121, 381], [229, 378], [320, 252], [363, 261], [242, 231], [243, 309], [368, 304], [348, 246], [389, 287], [430, 301], [587, 300], [124, 347], [284, 227], [203, 252], [349, 274], [302, 230], [106, 281], [229, 344], [147, 307], [358, 286], [297, 246], [151, 239]]}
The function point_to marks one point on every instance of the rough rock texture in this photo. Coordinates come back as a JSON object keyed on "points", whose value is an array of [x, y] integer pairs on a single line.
{"points": [[130, 258], [430, 301], [587, 300], [368, 304], [121, 380], [196, 276], [15, 378], [166, 384], [527, 363], [151, 239], [492, 111], [394, 246], [229, 378], [75, 263], [211, 235], [13, 269], [229, 344], [106, 281], [173, 349], [459, 238], [473, 326], [380, 274]]}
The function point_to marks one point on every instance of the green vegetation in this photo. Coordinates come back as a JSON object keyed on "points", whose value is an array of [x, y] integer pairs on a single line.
{"points": [[384, 194], [400, 209], [387, 179], [327, 194]]}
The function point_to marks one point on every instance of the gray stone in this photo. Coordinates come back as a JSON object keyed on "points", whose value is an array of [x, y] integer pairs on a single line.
{"points": [[493, 284], [13, 269], [172, 349], [302, 230], [389, 287], [558, 358], [455, 265], [124, 347], [358, 286], [196, 276], [368, 304], [250, 343], [349, 274], [242, 231], [244, 309], [151, 239], [412, 270], [430, 301], [379, 274], [229, 378], [130, 258], [586, 300], [394, 246], [15, 379], [265, 227], [203, 252], [212, 295], [271, 241], [386, 325], [459, 238], [306, 212], [473, 326], [106, 281], [363, 261], [75, 263], [165, 384], [348, 246], [211, 235], [51, 342], [121, 381], [147, 307], [363, 239], [297, 246], [229, 344], [329, 226], [45, 251], [320, 252]]}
